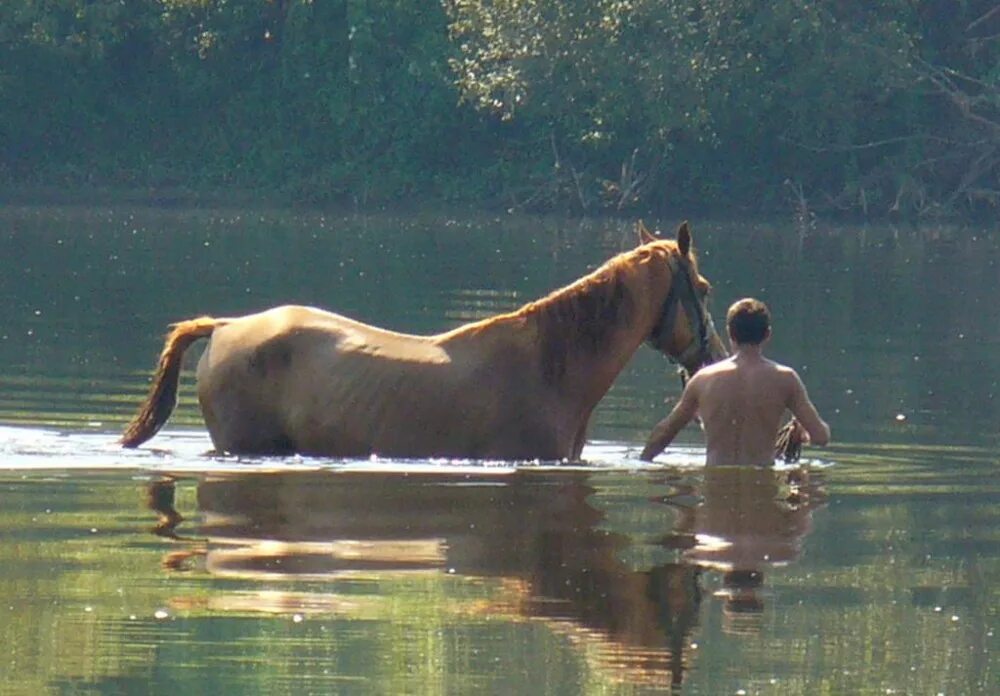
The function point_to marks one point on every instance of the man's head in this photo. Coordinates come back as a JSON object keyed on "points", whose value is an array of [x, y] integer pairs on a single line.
{"points": [[748, 321]]}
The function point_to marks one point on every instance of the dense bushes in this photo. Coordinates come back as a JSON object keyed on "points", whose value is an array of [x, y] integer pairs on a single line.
{"points": [[867, 106]]}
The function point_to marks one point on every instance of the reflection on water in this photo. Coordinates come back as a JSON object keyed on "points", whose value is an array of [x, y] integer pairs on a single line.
{"points": [[749, 520], [536, 532], [465, 578]]}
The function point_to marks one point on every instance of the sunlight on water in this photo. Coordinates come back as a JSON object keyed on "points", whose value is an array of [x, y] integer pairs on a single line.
{"points": [[30, 448]]}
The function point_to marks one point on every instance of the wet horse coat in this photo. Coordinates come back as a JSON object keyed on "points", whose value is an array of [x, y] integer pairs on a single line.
{"points": [[520, 385]]}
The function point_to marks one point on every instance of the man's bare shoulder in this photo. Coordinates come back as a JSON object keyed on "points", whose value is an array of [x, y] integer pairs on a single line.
{"points": [[788, 379], [788, 374], [784, 370]]}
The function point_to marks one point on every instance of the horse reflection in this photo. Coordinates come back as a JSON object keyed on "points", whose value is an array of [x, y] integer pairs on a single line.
{"points": [[538, 532], [534, 531]]}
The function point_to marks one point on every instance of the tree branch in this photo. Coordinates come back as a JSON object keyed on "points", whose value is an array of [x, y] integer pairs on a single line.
{"points": [[983, 19]]}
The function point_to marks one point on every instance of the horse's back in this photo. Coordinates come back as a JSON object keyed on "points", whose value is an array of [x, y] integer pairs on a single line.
{"points": [[299, 379]]}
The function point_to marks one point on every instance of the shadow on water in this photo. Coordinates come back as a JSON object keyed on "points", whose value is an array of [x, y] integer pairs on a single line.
{"points": [[541, 534]]}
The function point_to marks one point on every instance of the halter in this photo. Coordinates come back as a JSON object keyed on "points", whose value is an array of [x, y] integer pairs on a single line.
{"points": [[682, 294]]}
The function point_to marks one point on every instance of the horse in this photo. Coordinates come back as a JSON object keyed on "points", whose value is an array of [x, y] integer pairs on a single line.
{"points": [[517, 386]]}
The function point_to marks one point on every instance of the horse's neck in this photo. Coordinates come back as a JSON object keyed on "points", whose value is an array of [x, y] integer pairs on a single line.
{"points": [[571, 361], [585, 342], [591, 374], [580, 337]]}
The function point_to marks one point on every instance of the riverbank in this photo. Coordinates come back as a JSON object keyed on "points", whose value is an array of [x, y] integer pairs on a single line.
{"points": [[803, 220]]}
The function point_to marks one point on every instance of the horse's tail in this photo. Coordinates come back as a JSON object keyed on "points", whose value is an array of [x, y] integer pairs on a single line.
{"points": [[163, 393]]}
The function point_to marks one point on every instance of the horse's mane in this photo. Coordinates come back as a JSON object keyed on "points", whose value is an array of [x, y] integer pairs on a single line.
{"points": [[584, 315]]}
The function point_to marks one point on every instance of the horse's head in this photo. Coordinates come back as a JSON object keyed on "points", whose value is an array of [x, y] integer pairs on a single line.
{"points": [[683, 328]]}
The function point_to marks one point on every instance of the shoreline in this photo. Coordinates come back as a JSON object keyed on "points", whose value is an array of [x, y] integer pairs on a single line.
{"points": [[180, 198]]}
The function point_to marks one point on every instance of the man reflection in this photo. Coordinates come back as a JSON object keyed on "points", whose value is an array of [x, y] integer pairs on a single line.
{"points": [[749, 519]]}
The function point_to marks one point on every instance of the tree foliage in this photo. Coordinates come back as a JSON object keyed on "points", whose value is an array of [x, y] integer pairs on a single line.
{"points": [[878, 106], [720, 101]]}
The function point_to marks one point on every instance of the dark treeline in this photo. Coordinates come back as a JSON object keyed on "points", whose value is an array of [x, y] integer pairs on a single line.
{"points": [[869, 107]]}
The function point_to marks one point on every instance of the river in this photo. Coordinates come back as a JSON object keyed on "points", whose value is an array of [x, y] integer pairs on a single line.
{"points": [[873, 568]]}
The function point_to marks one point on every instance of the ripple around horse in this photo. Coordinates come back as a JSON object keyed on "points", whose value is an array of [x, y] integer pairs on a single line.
{"points": [[520, 385]]}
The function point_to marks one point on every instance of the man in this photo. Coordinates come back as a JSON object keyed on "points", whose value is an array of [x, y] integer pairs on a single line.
{"points": [[741, 400]]}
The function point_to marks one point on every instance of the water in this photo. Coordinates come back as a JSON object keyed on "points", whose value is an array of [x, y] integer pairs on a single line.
{"points": [[872, 570]]}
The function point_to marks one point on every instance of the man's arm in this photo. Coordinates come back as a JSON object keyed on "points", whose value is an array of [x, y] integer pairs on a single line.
{"points": [[666, 430], [803, 409]]}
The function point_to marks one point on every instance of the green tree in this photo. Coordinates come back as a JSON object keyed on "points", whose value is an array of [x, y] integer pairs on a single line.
{"points": [[733, 102], [880, 106]]}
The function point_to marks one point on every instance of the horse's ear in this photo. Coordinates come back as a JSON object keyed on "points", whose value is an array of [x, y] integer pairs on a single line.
{"points": [[645, 236], [684, 238]]}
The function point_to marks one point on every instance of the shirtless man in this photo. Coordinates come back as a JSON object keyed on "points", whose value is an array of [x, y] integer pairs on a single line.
{"points": [[741, 400]]}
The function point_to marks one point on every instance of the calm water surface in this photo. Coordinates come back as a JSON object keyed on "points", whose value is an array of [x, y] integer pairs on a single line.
{"points": [[873, 569]]}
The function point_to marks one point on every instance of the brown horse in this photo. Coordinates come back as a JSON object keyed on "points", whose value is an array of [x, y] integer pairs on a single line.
{"points": [[520, 385]]}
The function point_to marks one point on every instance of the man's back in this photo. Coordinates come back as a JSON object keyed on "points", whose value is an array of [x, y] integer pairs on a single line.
{"points": [[741, 402], [742, 399]]}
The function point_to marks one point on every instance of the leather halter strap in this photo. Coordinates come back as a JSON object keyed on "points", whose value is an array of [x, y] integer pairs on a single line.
{"points": [[682, 295]]}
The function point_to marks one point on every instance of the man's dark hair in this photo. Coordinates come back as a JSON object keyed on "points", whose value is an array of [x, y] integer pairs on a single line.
{"points": [[748, 321]]}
